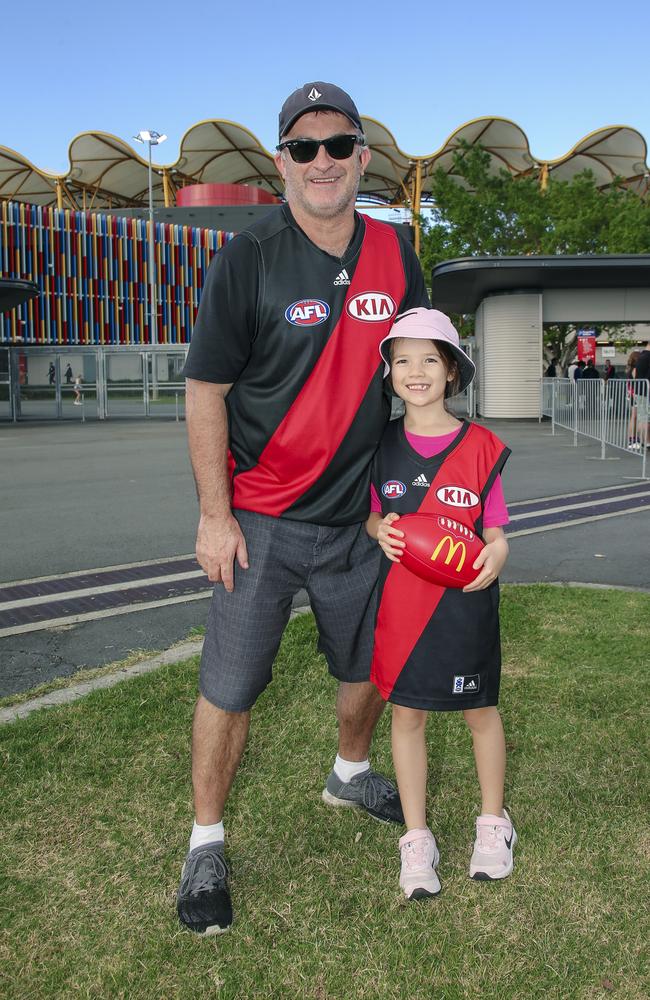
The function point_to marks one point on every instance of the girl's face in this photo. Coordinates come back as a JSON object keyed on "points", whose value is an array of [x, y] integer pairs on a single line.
{"points": [[418, 371]]}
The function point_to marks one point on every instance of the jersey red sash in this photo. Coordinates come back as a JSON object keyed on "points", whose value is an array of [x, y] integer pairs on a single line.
{"points": [[312, 430], [407, 602]]}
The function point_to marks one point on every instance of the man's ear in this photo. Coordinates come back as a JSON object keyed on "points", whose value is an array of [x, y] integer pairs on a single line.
{"points": [[364, 159], [279, 162]]}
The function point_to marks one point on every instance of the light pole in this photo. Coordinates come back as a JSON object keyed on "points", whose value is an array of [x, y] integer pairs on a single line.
{"points": [[151, 138]]}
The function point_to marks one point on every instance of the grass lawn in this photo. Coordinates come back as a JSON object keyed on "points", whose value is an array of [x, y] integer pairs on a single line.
{"points": [[96, 816]]}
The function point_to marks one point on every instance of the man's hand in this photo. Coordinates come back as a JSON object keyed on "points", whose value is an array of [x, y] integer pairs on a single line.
{"points": [[218, 541], [492, 560], [389, 538]]}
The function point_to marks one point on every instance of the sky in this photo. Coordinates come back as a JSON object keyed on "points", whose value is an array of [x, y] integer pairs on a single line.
{"points": [[557, 69]]}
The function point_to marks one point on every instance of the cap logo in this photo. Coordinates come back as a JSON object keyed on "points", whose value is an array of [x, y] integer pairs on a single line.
{"points": [[314, 94]]}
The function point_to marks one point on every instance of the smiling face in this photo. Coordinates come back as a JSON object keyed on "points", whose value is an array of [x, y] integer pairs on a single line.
{"points": [[418, 371], [325, 188]]}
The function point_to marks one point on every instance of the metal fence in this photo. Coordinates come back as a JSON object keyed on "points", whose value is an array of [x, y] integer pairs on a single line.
{"points": [[39, 383], [615, 413]]}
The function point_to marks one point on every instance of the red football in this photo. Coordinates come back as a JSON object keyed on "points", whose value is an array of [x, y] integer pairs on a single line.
{"points": [[439, 549]]}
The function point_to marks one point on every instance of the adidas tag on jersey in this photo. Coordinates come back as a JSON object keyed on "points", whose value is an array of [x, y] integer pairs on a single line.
{"points": [[468, 684]]}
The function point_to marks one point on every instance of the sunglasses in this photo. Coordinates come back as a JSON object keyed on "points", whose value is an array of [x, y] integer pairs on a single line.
{"points": [[339, 147]]}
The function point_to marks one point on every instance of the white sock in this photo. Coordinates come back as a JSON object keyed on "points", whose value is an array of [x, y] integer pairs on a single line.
{"points": [[209, 834], [348, 769]]}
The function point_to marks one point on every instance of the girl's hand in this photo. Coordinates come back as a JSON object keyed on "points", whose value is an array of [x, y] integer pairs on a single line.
{"points": [[389, 538], [492, 560]]}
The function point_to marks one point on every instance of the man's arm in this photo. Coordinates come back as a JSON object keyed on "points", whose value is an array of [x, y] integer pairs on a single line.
{"points": [[219, 538]]}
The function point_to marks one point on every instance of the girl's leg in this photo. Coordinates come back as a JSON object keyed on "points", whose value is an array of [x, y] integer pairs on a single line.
{"points": [[489, 754], [418, 849], [410, 759]]}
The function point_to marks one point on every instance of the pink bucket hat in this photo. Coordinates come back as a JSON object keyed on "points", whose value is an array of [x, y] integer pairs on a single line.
{"points": [[429, 324]]}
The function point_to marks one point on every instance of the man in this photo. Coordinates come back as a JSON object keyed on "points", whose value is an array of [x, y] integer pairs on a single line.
{"points": [[590, 370], [283, 383], [641, 401]]}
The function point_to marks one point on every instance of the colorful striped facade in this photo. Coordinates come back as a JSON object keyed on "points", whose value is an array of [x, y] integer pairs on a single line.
{"points": [[93, 274]]}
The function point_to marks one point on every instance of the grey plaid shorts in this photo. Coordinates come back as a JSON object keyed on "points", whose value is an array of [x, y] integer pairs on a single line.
{"points": [[337, 567]]}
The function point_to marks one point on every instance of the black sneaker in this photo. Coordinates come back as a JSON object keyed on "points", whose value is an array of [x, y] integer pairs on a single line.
{"points": [[369, 791], [203, 900]]}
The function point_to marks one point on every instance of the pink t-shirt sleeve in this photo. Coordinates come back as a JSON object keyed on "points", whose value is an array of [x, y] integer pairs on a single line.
{"points": [[375, 502], [495, 512]]}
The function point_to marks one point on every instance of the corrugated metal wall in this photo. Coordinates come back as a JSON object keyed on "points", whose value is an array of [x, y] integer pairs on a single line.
{"points": [[92, 270], [509, 335]]}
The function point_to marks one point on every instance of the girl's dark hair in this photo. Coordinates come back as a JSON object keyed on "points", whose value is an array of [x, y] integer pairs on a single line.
{"points": [[448, 359]]}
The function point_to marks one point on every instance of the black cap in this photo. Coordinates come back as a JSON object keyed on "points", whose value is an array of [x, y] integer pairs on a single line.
{"points": [[317, 96]]}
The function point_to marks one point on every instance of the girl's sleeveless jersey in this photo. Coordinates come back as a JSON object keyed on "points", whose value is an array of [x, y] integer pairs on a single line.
{"points": [[437, 648]]}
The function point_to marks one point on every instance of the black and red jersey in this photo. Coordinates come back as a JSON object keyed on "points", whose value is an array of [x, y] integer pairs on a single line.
{"points": [[296, 331], [436, 647]]}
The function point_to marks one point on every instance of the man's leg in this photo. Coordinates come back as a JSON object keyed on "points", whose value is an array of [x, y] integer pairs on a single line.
{"points": [[218, 741], [342, 589], [358, 708]]}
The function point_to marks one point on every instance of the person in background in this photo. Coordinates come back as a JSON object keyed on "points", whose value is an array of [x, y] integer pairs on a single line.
{"points": [[51, 373], [68, 374], [572, 369], [580, 367], [590, 370], [642, 371], [609, 370], [551, 371], [630, 369]]}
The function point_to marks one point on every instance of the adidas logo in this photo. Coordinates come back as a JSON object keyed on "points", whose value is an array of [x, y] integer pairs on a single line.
{"points": [[342, 278], [421, 481], [470, 686]]}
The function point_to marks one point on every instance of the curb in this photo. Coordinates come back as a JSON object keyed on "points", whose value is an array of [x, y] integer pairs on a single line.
{"points": [[65, 696]]}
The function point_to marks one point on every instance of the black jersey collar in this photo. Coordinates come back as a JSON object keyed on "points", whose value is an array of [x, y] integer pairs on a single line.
{"points": [[435, 459], [353, 246]]}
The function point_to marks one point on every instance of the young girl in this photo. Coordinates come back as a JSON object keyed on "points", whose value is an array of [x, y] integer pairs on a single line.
{"points": [[436, 648]]}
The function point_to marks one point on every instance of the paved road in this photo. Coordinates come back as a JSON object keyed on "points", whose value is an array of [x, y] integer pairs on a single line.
{"points": [[106, 513]]}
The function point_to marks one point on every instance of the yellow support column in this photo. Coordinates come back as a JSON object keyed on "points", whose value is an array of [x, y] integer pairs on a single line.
{"points": [[59, 195], [168, 189], [416, 204]]}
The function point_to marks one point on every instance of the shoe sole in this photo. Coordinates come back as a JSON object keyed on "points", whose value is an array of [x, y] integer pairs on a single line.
{"points": [[332, 800], [422, 894]]}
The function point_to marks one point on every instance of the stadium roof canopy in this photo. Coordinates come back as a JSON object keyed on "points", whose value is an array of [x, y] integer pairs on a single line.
{"points": [[106, 172]]}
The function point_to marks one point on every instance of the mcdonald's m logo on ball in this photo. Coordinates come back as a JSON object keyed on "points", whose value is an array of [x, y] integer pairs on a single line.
{"points": [[453, 547]]}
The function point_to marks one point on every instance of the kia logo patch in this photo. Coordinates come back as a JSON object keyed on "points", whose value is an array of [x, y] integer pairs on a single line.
{"points": [[307, 312], [393, 488], [371, 307], [457, 496]]}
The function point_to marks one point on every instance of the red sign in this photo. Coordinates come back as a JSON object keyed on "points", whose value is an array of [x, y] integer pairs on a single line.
{"points": [[587, 345]]}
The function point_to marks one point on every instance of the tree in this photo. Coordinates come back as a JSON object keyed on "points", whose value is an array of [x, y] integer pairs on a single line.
{"points": [[479, 212]]}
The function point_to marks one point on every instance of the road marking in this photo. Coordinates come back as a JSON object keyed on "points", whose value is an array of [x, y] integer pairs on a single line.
{"points": [[580, 493], [126, 609], [109, 588], [579, 520], [97, 569], [588, 503]]}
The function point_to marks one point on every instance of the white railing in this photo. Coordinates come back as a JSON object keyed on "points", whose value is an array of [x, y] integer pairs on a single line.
{"points": [[615, 413]]}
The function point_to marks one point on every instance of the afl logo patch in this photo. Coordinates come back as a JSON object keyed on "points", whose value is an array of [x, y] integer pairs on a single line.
{"points": [[307, 312], [393, 489], [457, 496], [371, 307]]}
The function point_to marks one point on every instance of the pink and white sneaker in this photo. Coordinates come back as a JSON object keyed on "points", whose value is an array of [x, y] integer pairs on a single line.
{"points": [[418, 878], [495, 840]]}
